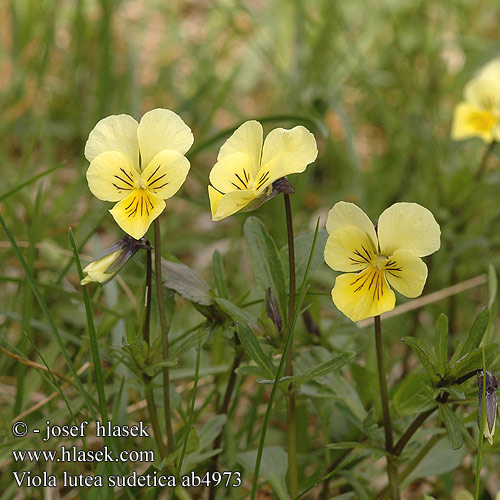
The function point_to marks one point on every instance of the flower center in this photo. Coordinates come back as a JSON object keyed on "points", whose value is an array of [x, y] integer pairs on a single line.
{"points": [[379, 261]]}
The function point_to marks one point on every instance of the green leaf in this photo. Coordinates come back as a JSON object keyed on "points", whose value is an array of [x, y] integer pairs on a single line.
{"points": [[423, 354], [303, 244], [413, 395], [236, 313], [440, 460], [219, 275], [456, 355], [492, 285], [210, 430], [274, 467], [474, 360], [186, 282], [453, 426], [252, 347], [266, 264], [477, 331], [188, 343], [324, 368], [441, 343], [251, 370]]}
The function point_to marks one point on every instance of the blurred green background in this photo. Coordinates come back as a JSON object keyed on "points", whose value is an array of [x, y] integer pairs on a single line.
{"points": [[376, 81]]}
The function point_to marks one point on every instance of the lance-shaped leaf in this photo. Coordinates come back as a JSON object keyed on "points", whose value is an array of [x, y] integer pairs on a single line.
{"points": [[236, 313], [473, 361], [265, 260], [274, 467], [324, 368], [453, 426], [425, 357], [477, 331], [254, 350], [441, 343], [186, 282]]}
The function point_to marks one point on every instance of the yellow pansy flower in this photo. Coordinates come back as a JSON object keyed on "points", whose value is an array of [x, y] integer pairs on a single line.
{"points": [[247, 166], [138, 165], [376, 258], [108, 264], [479, 114]]}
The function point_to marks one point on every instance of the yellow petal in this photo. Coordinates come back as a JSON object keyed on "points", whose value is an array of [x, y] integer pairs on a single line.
{"points": [[111, 177], [471, 121], [165, 173], [232, 172], [161, 129], [408, 226], [484, 93], [406, 273], [96, 271], [345, 214], [349, 249], [363, 295], [135, 213], [246, 139], [215, 198], [233, 202], [464, 495], [114, 133], [296, 148]]}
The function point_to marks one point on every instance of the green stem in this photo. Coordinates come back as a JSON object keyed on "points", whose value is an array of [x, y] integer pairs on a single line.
{"points": [[392, 472], [293, 483], [149, 280], [164, 334], [384, 495], [267, 417], [191, 412], [150, 398], [224, 410], [153, 417], [482, 166], [480, 439]]}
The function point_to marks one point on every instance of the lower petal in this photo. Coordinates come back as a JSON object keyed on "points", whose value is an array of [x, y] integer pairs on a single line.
{"points": [[406, 273], [135, 213], [233, 202], [363, 295], [215, 197]]}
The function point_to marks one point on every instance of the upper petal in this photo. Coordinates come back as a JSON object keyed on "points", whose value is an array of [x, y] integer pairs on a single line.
{"points": [[246, 139], [469, 120], [114, 133], [296, 147], [232, 172], [345, 214], [408, 226], [165, 173], [349, 249], [406, 273], [161, 129], [483, 92], [233, 202], [111, 177], [135, 213], [363, 295]]}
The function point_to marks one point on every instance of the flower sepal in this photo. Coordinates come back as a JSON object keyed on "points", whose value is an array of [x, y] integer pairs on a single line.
{"points": [[105, 267]]}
